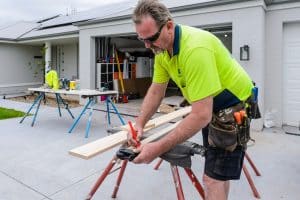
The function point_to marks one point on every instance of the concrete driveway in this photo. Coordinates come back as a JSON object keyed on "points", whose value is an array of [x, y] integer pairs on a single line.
{"points": [[35, 164]]}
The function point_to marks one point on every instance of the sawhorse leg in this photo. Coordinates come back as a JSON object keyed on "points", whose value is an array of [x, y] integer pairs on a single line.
{"points": [[248, 176], [120, 176], [252, 164], [109, 102], [250, 181], [104, 175], [177, 182], [195, 182], [107, 170], [66, 105], [58, 105], [158, 164], [38, 102], [59, 100], [88, 126], [101, 178], [82, 112], [245, 170]]}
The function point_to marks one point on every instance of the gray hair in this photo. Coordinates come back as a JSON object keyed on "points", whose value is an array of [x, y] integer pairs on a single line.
{"points": [[153, 8]]}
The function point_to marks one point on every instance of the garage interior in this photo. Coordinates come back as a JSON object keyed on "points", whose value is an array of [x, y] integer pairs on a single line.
{"points": [[136, 63]]}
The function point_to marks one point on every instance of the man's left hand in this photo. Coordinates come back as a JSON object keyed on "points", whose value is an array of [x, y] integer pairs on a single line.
{"points": [[148, 152]]}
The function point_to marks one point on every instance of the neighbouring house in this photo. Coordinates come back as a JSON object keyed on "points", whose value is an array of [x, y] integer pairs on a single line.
{"points": [[263, 35]]}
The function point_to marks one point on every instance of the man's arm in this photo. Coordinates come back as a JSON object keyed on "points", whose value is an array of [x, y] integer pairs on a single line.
{"points": [[199, 117], [151, 102]]}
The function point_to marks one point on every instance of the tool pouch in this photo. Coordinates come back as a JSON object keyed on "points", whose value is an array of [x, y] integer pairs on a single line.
{"points": [[225, 133], [253, 110], [222, 130], [243, 135], [224, 136]]}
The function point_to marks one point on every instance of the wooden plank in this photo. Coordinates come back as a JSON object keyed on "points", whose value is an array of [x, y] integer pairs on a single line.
{"points": [[160, 133], [92, 149], [158, 121]]}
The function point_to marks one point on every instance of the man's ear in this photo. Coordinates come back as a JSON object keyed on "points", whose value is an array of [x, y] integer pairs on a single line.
{"points": [[170, 25]]}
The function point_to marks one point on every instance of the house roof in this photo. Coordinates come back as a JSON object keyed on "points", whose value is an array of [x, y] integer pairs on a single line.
{"points": [[54, 31], [98, 12], [16, 30], [66, 24]]}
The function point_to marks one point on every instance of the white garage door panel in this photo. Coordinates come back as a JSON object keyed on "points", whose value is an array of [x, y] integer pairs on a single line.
{"points": [[291, 73]]}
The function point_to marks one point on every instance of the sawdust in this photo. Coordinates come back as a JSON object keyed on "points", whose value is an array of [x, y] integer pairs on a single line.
{"points": [[49, 101], [164, 108]]}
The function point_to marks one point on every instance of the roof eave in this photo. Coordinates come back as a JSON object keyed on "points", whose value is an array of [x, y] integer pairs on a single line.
{"points": [[90, 22], [174, 9], [205, 5], [7, 40], [272, 2], [48, 35]]}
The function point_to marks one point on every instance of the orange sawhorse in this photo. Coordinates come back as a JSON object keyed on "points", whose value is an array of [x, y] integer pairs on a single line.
{"points": [[245, 170], [175, 174]]}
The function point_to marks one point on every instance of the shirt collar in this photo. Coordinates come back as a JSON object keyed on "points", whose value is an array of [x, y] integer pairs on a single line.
{"points": [[176, 43]]}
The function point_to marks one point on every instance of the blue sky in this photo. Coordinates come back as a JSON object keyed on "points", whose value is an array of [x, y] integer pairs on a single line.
{"points": [[28, 10]]}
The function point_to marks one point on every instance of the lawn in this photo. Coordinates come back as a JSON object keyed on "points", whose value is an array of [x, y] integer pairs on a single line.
{"points": [[6, 113]]}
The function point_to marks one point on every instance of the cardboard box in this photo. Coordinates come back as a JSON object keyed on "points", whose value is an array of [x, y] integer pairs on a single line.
{"points": [[134, 86]]}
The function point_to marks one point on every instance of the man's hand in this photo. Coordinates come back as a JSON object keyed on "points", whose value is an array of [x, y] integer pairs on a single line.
{"points": [[148, 152], [130, 140]]}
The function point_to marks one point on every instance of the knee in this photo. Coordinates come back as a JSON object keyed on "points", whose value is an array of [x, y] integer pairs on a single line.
{"points": [[208, 181]]}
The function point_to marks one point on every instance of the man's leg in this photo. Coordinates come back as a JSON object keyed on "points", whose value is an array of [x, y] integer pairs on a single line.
{"points": [[227, 187], [220, 167], [215, 189]]}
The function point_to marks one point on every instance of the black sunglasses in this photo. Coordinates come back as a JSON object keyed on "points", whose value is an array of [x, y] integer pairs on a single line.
{"points": [[152, 38]]}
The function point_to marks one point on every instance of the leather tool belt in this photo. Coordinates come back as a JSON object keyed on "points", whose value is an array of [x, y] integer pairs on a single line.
{"points": [[224, 130]]}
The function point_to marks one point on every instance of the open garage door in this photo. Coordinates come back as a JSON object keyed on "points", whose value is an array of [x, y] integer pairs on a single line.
{"points": [[291, 73]]}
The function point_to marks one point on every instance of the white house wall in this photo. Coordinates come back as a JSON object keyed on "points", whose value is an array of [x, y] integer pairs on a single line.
{"points": [[18, 68], [69, 65], [275, 19], [87, 61]]}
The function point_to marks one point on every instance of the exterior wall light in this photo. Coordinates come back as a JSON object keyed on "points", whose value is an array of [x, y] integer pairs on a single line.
{"points": [[245, 52]]}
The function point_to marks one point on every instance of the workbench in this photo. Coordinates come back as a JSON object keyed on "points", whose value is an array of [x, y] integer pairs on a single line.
{"points": [[84, 93]]}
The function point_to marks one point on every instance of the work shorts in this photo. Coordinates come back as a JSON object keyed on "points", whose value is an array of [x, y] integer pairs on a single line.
{"points": [[221, 164]]}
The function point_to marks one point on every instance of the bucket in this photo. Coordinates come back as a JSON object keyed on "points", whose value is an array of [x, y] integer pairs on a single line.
{"points": [[72, 85], [102, 98]]}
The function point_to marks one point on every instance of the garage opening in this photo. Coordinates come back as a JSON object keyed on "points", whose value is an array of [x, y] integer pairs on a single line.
{"points": [[136, 63]]}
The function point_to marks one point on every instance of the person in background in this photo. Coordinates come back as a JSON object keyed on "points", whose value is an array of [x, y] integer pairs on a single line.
{"points": [[51, 79]]}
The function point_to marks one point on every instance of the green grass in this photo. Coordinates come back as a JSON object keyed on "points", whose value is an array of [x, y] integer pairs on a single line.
{"points": [[6, 113]]}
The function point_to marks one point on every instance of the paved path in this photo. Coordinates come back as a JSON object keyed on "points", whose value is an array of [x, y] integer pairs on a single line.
{"points": [[35, 164]]}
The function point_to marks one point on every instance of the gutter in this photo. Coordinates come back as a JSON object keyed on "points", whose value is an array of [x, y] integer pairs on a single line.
{"points": [[276, 2], [7, 40], [49, 35]]}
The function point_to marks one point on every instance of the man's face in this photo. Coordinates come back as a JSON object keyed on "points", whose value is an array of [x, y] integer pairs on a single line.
{"points": [[151, 35]]}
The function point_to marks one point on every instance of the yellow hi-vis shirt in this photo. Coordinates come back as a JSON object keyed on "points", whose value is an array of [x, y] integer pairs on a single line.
{"points": [[201, 66], [52, 79]]}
